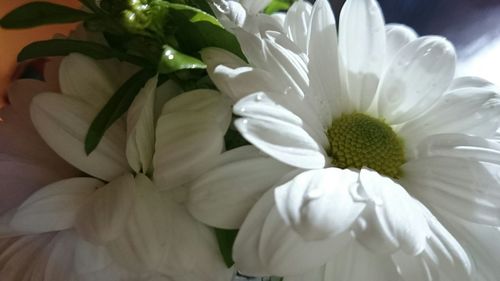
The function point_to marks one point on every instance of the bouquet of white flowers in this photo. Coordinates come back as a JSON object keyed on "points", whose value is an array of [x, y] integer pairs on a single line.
{"points": [[188, 140]]}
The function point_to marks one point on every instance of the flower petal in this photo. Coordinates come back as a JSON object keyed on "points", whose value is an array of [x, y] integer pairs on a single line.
{"points": [[458, 174], [297, 23], [445, 252], [60, 261], [106, 213], [234, 77], [63, 121], [324, 64], [318, 204], [82, 77], [356, 263], [392, 219], [18, 256], [204, 102], [278, 132], [397, 36], [476, 240], [139, 245], [473, 111], [186, 144], [141, 128], [224, 196], [266, 245], [417, 77], [55, 206], [198, 257], [361, 50]]}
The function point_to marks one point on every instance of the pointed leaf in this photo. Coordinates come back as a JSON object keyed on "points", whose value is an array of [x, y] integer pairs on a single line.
{"points": [[64, 47], [173, 60], [225, 239], [115, 108], [41, 13]]}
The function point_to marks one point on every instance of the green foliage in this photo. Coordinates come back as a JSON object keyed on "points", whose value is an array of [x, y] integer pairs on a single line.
{"points": [[41, 13], [277, 6], [64, 47], [172, 60], [115, 108], [225, 239]]}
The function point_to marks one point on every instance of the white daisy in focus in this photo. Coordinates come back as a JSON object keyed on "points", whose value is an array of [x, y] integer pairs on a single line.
{"points": [[120, 222], [395, 178]]}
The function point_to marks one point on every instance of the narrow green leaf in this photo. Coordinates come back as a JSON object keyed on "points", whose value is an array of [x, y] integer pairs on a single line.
{"points": [[277, 6], [117, 105], [173, 60], [234, 139], [225, 239], [64, 47], [275, 278], [41, 13], [91, 4]]}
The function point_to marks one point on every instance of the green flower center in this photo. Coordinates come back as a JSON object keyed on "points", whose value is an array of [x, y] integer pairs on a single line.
{"points": [[358, 140]]}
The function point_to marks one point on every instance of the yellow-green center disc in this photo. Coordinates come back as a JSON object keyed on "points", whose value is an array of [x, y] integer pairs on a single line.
{"points": [[358, 140]]}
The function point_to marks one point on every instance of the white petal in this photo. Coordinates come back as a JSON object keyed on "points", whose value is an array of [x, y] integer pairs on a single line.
{"points": [[55, 206], [204, 102], [186, 146], [164, 93], [234, 77], [445, 253], [323, 64], [106, 213], [265, 245], [254, 6], [477, 241], [286, 62], [392, 219], [361, 49], [198, 256], [397, 36], [356, 263], [18, 256], [470, 82], [473, 111], [90, 257], [453, 179], [318, 204], [224, 196], [141, 128], [63, 121], [82, 77], [139, 246], [60, 262], [297, 23], [415, 268], [417, 77]]}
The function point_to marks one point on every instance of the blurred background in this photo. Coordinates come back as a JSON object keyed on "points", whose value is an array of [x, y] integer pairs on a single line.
{"points": [[472, 25]]}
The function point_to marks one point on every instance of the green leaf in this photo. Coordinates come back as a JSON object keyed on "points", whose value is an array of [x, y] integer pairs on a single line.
{"points": [[225, 239], [278, 5], [41, 13], [275, 278], [233, 139], [173, 60], [64, 47], [90, 4], [117, 105], [197, 30]]}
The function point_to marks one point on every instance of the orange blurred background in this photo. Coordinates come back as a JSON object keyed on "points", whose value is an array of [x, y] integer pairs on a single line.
{"points": [[12, 41]]}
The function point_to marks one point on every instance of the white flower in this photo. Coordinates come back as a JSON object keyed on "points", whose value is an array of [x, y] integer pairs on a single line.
{"points": [[378, 133], [121, 222]]}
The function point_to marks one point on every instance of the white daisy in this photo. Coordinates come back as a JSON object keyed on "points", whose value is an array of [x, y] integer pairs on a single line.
{"points": [[121, 222], [379, 134]]}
